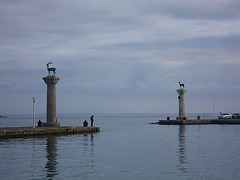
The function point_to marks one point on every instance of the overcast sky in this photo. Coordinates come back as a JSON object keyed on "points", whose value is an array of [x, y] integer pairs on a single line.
{"points": [[120, 55]]}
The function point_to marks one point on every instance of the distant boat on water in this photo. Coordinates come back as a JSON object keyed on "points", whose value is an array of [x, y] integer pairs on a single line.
{"points": [[2, 116]]}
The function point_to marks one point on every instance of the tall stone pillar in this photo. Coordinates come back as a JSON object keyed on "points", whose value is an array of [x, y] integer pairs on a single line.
{"points": [[181, 100], [51, 82]]}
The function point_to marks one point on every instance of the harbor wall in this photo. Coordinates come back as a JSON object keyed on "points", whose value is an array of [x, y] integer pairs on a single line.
{"points": [[29, 131], [197, 122]]}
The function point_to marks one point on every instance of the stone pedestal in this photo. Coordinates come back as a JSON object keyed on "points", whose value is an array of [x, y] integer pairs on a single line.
{"points": [[181, 93], [51, 82]]}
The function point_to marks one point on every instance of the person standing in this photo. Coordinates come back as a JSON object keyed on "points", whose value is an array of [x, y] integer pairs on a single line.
{"points": [[92, 119]]}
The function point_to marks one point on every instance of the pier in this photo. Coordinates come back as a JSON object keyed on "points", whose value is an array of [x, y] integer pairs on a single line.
{"points": [[198, 122], [51, 126], [183, 120], [10, 132]]}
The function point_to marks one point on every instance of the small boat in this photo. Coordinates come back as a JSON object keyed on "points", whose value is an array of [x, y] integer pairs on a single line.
{"points": [[2, 116]]}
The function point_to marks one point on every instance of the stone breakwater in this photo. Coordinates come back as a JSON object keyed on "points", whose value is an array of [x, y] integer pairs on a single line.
{"points": [[197, 122], [30, 131]]}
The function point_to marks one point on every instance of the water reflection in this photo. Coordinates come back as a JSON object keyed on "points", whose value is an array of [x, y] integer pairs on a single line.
{"points": [[182, 148], [85, 152], [88, 154], [52, 162], [33, 159]]}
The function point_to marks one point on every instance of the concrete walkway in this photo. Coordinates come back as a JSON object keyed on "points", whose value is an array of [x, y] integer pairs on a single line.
{"points": [[30, 131], [198, 122]]}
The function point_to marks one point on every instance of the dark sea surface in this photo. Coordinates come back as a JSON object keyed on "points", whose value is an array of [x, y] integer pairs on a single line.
{"points": [[127, 147]]}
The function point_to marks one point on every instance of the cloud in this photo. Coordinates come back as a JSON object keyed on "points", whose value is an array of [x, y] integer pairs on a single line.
{"points": [[120, 55], [197, 9]]}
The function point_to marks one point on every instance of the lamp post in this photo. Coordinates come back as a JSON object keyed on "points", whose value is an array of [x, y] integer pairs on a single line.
{"points": [[33, 112], [213, 110]]}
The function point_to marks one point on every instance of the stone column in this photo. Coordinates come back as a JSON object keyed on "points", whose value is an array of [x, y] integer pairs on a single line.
{"points": [[181, 93], [51, 82]]}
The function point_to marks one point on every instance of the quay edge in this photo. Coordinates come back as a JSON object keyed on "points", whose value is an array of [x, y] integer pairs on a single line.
{"points": [[9, 132], [197, 122]]}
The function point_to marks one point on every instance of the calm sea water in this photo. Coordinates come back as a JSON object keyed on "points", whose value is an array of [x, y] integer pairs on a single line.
{"points": [[127, 147]]}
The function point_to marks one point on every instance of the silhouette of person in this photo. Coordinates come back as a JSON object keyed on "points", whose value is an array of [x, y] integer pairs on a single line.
{"points": [[92, 119], [85, 123]]}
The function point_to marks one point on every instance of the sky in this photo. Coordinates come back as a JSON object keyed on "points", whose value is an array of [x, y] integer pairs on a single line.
{"points": [[120, 56]]}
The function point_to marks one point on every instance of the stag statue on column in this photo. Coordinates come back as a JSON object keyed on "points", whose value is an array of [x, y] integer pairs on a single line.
{"points": [[181, 85], [53, 69]]}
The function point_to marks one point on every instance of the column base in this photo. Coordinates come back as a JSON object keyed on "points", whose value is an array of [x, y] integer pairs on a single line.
{"points": [[181, 118], [51, 124]]}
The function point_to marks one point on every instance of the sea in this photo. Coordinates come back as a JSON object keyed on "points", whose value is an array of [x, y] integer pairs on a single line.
{"points": [[127, 147]]}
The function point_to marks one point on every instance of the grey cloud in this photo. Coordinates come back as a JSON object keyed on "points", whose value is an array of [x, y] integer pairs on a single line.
{"points": [[226, 43], [230, 43], [119, 52], [195, 9]]}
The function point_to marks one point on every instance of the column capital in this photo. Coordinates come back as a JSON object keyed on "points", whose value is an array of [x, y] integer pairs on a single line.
{"points": [[51, 79], [181, 91]]}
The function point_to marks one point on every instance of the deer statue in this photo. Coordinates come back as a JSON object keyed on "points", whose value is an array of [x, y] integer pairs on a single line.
{"points": [[181, 85], [53, 69]]}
